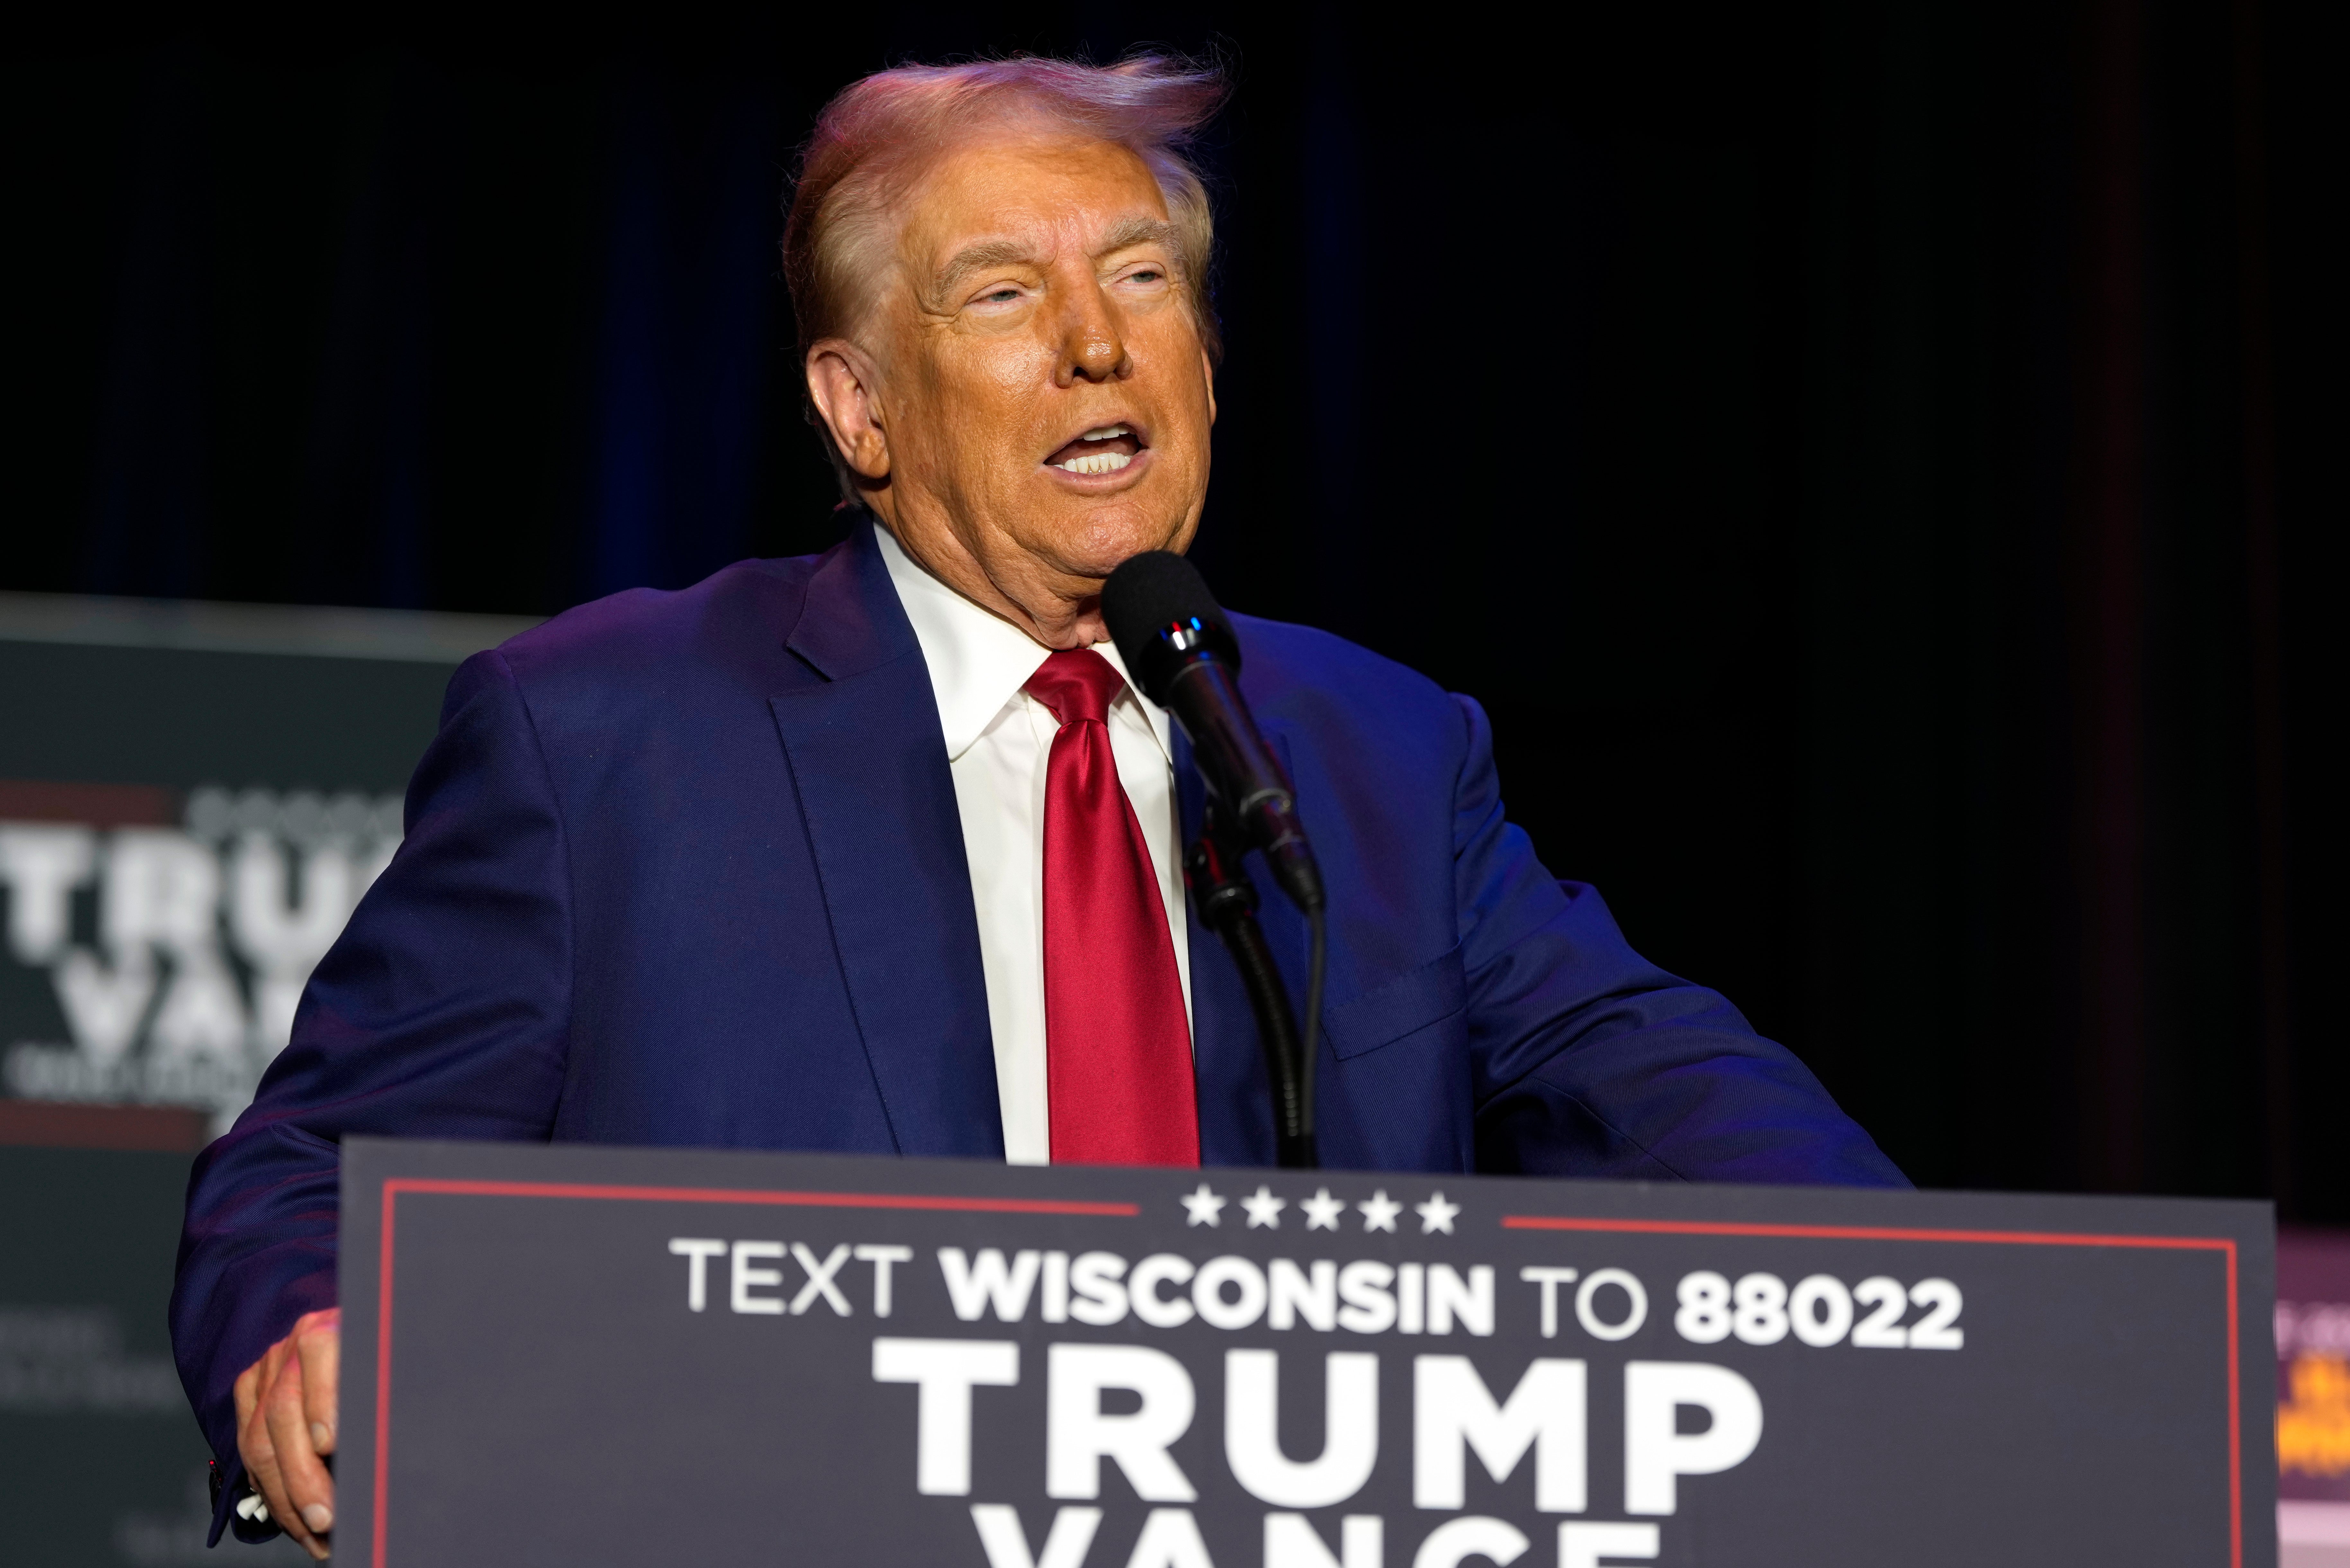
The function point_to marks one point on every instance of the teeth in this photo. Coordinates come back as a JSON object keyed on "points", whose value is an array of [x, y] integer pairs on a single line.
{"points": [[1104, 434], [1098, 462]]}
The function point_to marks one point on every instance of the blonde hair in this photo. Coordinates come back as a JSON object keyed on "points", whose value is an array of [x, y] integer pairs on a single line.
{"points": [[877, 133]]}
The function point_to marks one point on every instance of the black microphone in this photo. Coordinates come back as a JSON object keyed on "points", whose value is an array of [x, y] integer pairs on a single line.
{"points": [[1181, 650]]}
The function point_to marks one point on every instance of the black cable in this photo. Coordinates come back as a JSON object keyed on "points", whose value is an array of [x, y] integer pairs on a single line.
{"points": [[1227, 905], [1310, 1045]]}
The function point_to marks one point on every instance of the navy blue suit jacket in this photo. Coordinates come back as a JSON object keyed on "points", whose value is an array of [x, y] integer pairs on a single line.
{"points": [[686, 868]]}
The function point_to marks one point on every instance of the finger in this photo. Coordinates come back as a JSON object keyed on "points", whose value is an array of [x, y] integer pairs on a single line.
{"points": [[259, 1445], [252, 1443], [318, 1343], [278, 1509], [255, 1380], [261, 1472], [247, 1395], [260, 1459], [310, 1489]]}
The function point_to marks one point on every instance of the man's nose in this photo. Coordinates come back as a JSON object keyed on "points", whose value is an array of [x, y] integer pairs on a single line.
{"points": [[1092, 349]]}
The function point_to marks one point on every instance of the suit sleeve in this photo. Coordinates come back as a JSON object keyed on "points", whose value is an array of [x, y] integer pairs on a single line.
{"points": [[441, 1012], [1591, 1061]]}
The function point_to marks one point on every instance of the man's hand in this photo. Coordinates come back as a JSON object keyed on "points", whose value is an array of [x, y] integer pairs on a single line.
{"points": [[285, 1426]]}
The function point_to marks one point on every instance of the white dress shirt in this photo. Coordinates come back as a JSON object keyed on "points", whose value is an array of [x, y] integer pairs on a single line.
{"points": [[998, 741]]}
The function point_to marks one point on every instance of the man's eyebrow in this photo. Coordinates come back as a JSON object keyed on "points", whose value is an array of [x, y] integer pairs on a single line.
{"points": [[978, 258], [1138, 231]]}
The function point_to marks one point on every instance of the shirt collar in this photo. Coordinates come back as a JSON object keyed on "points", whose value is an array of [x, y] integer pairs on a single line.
{"points": [[978, 662]]}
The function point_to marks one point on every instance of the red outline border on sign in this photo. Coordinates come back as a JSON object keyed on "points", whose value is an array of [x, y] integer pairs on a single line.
{"points": [[394, 1186], [2224, 1244]]}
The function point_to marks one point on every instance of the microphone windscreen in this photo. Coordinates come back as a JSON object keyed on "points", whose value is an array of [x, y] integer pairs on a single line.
{"points": [[1149, 594]]}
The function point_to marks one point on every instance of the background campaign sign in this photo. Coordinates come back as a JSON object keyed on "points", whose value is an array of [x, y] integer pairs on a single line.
{"points": [[192, 799], [2313, 1421], [594, 1356]]}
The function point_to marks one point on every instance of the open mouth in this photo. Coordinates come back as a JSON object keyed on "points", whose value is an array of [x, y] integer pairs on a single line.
{"points": [[1105, 449]]}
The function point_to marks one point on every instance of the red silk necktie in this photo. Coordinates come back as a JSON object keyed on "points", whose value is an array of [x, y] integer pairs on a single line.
{"points": [[1117, 1047]]}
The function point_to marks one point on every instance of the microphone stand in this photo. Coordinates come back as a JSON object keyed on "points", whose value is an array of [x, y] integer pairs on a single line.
{"points": [[1227, 902]]}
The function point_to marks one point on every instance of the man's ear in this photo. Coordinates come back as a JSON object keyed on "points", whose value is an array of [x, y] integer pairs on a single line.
{"points": [[1208, 376], [841, 381]]}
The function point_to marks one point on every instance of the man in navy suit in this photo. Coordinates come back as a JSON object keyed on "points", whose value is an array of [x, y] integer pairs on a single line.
{"points": [[878, 850]]}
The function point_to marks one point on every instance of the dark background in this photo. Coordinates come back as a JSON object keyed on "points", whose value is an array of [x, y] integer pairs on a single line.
{"points": [[1879, 465], [91, 1416]]}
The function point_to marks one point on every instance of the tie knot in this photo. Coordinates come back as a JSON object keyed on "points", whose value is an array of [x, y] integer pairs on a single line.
{"points": [[1077, 685]]}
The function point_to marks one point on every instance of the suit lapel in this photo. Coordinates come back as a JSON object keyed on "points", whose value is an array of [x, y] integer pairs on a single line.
{"points": [[870, 763]]}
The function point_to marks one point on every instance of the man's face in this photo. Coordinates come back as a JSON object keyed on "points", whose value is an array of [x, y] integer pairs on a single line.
{"points": [[1041, 397]]}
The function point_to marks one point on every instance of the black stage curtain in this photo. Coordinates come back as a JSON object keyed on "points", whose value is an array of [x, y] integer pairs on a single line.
{"points": [[1871, 460]]}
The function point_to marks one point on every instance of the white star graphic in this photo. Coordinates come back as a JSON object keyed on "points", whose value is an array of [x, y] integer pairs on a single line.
{"points": [[1264, 1208], [1435, 1214], [1380, 1211], [1321, 1210], [1204, 1206]]}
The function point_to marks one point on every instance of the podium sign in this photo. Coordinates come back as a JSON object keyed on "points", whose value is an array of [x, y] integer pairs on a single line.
{"points": [[590, 1356]]}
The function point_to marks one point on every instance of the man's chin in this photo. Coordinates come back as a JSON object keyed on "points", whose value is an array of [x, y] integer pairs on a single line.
{"points": [[1093, 541]]}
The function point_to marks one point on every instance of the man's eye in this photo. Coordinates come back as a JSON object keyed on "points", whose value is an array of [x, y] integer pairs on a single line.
{"points": [[1147, 274], [1001, 296]]}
